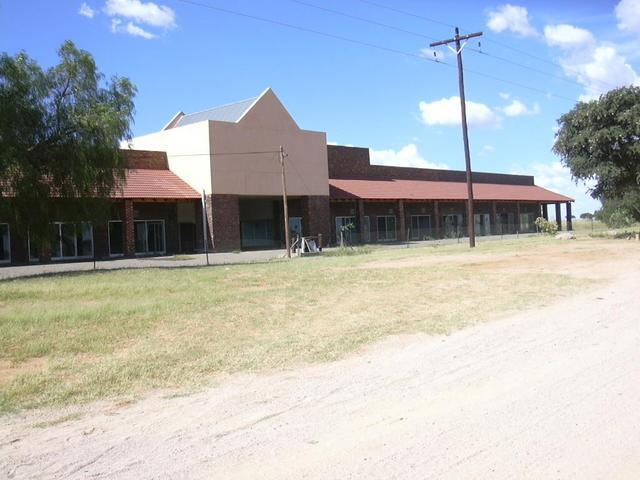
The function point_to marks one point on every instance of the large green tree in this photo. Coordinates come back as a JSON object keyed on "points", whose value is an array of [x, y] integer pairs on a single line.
{"points": [[60, 129], [599, 140]]}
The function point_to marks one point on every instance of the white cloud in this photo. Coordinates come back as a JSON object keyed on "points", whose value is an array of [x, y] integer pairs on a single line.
{"points": [[556, 177], [486, 150], [628, 15], [446, 111], [598, 66], [86, 11], [567, 36], [136, 31], [513, 18], [115, 25], [147, 13], [407, 156], [517, 109], [505, 95]]}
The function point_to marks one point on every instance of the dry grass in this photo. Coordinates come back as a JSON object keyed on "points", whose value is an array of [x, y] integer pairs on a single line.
{"points": [[78, 337]]}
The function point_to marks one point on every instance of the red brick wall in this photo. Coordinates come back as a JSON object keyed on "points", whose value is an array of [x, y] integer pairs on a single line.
{"points": [[145, 159], [225, 220], [317, 213], [353, 162]]}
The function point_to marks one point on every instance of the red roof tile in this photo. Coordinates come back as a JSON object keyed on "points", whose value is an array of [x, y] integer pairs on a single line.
{"points": [[430, 190], [160, 184]]}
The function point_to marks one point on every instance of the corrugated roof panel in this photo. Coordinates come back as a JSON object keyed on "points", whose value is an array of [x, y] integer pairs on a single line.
{"points": [[225, 113], [430, 190]]}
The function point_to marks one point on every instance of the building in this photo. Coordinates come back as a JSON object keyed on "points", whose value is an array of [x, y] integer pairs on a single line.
{"points": [[153, 213], [230, 155]]}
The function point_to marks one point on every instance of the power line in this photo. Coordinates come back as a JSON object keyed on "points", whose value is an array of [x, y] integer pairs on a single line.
{"points": [[310, 30], [489, 39], [365, 20], [367, 44], [421, 35]]}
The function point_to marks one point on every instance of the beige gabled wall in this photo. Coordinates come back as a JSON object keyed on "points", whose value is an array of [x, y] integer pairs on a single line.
{"points": [[265, 127], [188, 152]]}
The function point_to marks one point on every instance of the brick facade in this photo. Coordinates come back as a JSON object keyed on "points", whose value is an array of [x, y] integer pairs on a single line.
{"points": [[224, 217], [317, 216], [353, 163]]}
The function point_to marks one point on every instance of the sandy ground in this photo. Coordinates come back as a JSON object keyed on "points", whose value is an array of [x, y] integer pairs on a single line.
{"points": [[552, 393]]}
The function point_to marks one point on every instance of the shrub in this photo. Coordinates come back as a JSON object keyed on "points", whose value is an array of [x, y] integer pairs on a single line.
{"points": [[545, 226]]}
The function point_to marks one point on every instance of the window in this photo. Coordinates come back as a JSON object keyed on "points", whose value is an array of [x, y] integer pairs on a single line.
{"points": [[33, 249], [366, 229], [149, 235], [453, 225], [386, 228], [420, 227], [5, 243], [346, 225], [71, 240], [482, 224], [257, 233], [527, 222], [116, 238]]}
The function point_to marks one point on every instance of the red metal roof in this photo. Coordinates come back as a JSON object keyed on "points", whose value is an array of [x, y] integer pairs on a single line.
{"points": [[430, 190], [152, 184]]}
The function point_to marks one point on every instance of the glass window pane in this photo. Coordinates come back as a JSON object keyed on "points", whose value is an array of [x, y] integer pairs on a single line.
{"points": [[84, 239], [56, 250], [141, 237], [68, 237]]}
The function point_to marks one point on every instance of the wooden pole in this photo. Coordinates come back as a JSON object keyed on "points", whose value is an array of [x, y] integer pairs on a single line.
{"points": [[284, 202], [465, 135]]}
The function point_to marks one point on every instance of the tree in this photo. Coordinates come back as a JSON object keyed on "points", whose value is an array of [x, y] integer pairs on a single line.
{"points": [[599, 140], [60, 130], [586, 216]]}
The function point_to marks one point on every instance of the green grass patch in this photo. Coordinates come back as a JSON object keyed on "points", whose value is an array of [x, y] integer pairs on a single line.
{"points": [[79, 337]]}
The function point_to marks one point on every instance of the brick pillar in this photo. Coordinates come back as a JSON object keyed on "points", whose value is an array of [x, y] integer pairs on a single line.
{"points": [[558, 217], [494, 218], [545, 211], [361, 220], [129, 231], [569, 221], [224, 216], [403, 231], [436, 213], [518, 222], [317, 210]]}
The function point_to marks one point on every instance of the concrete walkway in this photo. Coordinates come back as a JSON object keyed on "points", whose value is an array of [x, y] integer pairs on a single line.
{"points": [[196, 260]]}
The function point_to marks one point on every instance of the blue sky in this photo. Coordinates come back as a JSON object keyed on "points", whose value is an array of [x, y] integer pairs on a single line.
{"points": [[184, 56]]}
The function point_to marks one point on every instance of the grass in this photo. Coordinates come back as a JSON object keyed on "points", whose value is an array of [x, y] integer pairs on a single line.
{"points": [[79, 337]]}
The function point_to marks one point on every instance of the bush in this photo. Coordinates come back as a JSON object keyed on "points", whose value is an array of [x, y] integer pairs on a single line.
{"points": [[545, 226], [619, 218]]}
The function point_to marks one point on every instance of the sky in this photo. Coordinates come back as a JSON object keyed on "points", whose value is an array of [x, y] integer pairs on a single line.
{"points": [[360, 70]]}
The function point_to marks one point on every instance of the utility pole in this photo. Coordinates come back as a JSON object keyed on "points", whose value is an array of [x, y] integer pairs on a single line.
{"points": [[284, 202], [467, 156]]}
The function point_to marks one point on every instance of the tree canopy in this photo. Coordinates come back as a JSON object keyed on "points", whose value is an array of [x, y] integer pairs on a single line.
{"points": [[60, 130], [599, 140]]}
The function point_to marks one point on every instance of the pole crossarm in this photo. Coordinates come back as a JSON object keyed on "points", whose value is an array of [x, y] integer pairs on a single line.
{"points": [[456, 38]]}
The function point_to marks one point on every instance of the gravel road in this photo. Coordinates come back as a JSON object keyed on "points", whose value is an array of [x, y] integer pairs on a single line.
{"points": [[552, 393]]}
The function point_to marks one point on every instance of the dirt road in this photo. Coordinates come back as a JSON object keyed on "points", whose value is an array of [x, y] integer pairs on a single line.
{"points": [[553, 393]]}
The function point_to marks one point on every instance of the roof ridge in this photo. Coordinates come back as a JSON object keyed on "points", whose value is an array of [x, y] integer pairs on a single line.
{"points": [[220, 106]]}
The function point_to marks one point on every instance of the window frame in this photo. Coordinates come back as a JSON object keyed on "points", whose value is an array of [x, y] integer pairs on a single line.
{"points": [[420, 215], [146, 238], [386, 230], [75, 243]]}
